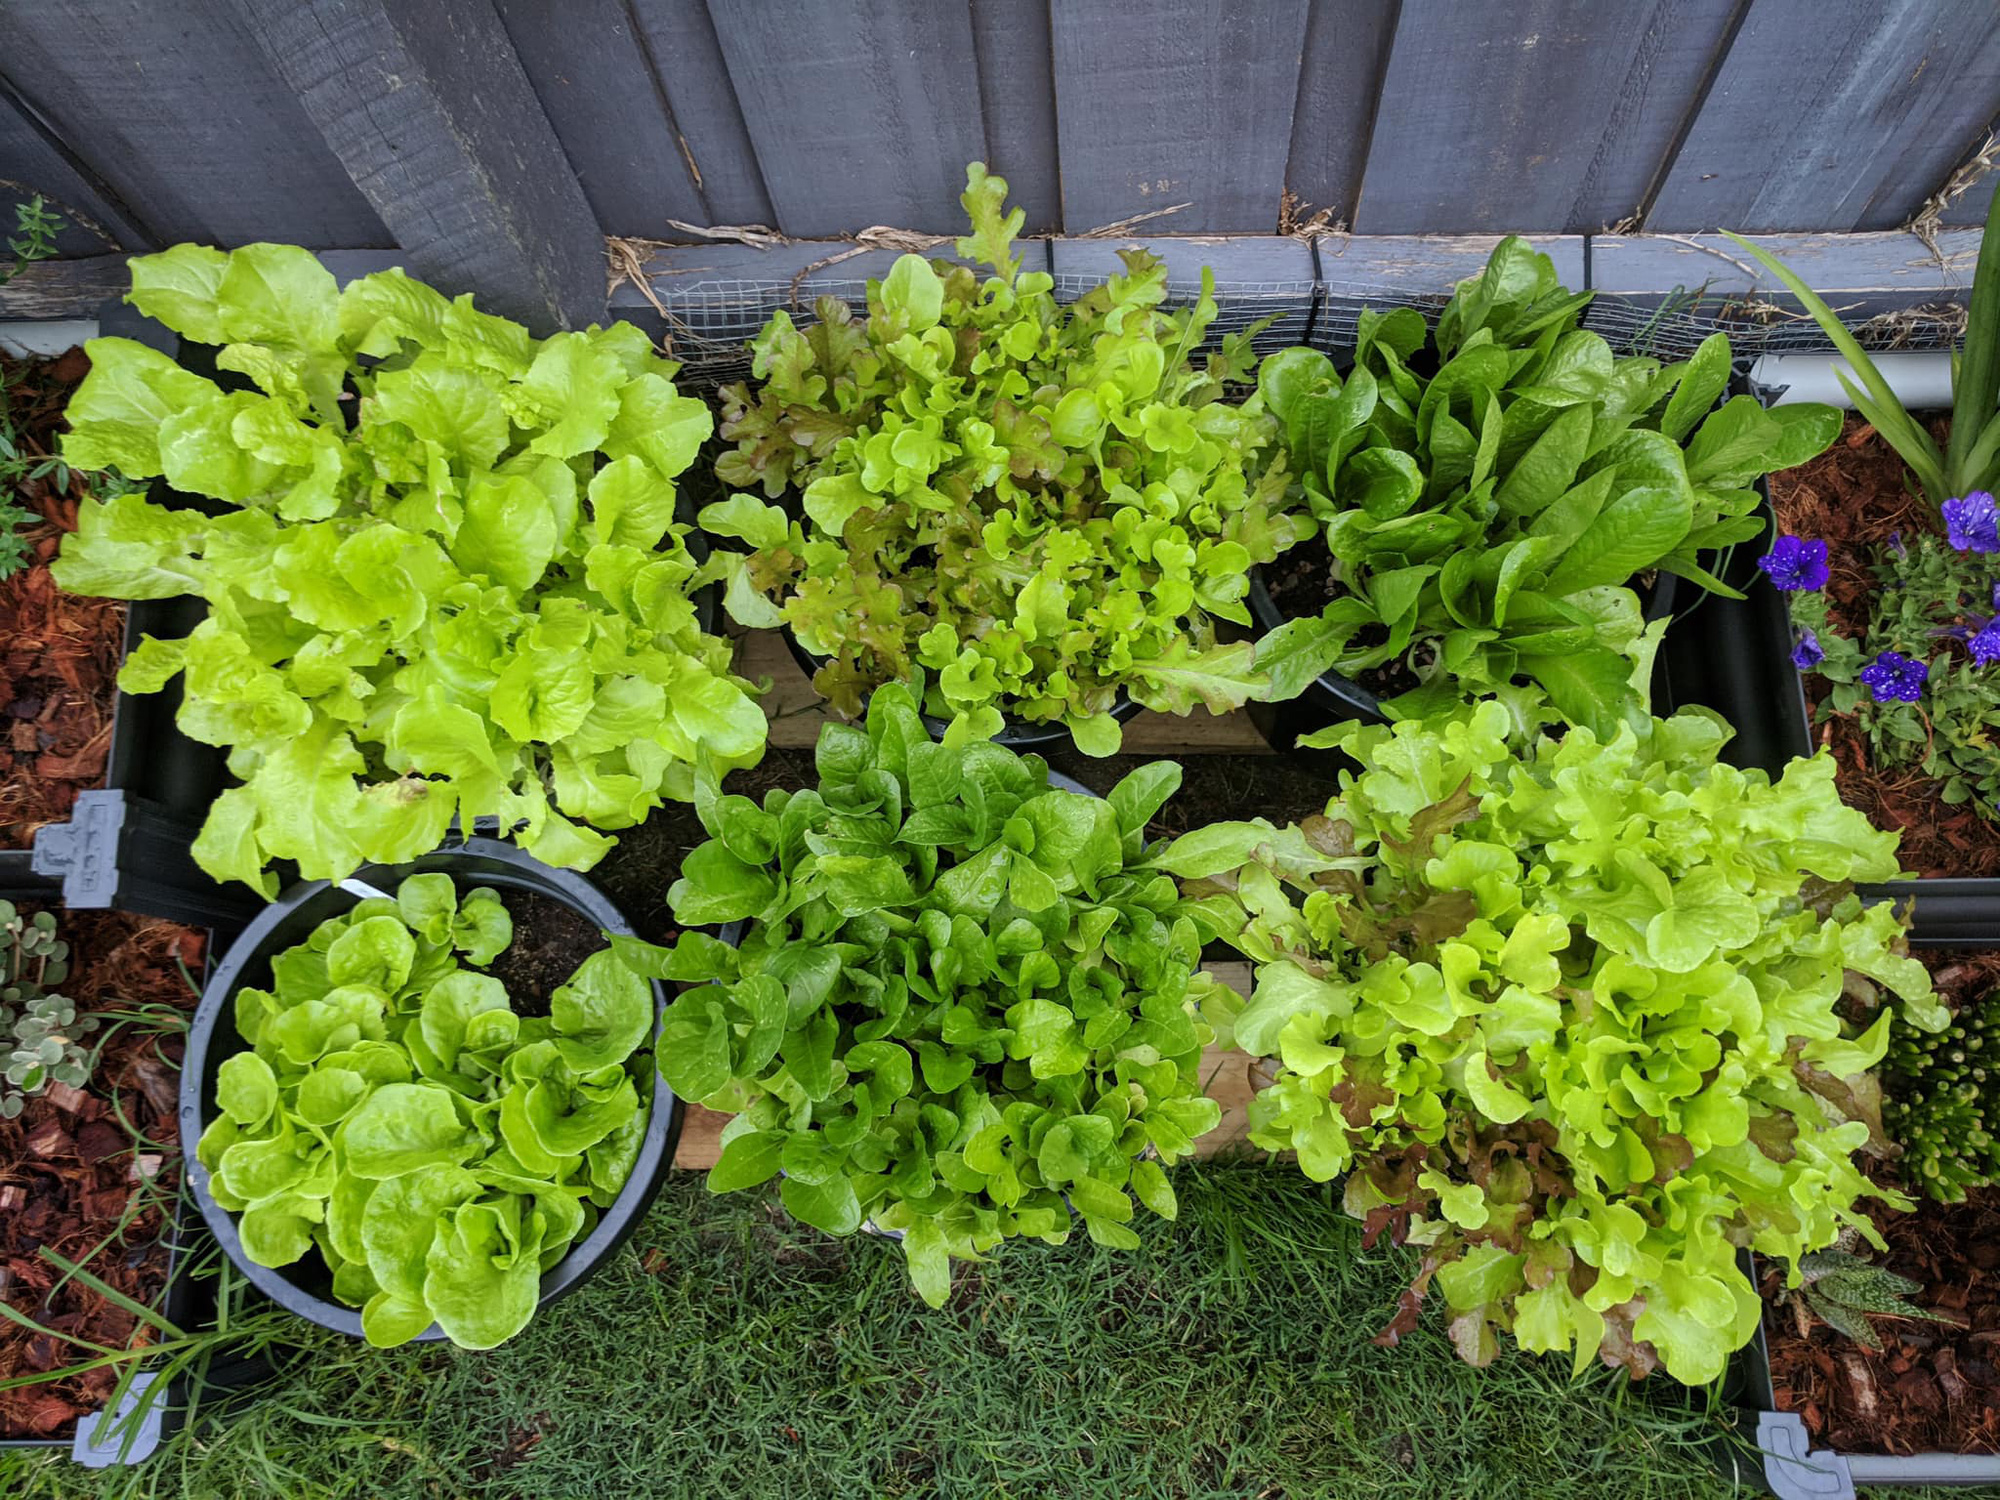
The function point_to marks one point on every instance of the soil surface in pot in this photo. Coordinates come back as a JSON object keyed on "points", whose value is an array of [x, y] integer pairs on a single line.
{"points": [[1934, 1387], [59, 653], [1301, 584], [71, 1171], [550, 940], [1855, 498]]}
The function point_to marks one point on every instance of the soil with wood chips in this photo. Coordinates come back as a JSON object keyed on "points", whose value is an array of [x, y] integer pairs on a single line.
{"points": [[1933, 1387], [91, 1174], [59, 653], [1856, 498]]}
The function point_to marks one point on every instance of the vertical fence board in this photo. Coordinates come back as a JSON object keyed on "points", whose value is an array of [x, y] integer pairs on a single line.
{"points": [[426, 105], [1835, 114], [1176, 101], [862, 111], [687, 60], [1531, 115], [175, 107], [1346, 50], [1018, 88], [595, 80], [30, 166]]}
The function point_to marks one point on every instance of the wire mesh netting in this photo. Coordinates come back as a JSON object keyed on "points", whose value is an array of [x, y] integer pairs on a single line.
{"points": [[1673, 325], [1286, 306]]}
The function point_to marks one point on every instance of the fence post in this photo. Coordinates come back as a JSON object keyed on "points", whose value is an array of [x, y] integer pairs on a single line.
{"points": [[427, 106]]}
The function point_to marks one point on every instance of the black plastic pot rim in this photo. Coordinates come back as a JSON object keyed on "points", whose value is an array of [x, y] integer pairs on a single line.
{"points": [[1016, 734], [212, 1019]]}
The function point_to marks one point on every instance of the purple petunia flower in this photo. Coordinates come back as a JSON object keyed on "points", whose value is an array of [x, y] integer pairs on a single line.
{"points": [[1794, 563], [1985, 642], [1893, 678], [1808, 653], [1972, 524]]}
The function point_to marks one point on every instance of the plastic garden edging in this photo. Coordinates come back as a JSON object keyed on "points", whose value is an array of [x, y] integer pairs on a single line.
{"points": [[305, 1289]]}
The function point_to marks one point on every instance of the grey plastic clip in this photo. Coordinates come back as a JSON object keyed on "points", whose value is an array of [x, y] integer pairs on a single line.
{"points": [[84, 851], [1790, 1467], [109, 1438]]}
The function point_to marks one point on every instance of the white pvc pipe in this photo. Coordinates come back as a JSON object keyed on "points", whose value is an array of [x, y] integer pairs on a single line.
{"points": [[1921, 381], [20, 339]]}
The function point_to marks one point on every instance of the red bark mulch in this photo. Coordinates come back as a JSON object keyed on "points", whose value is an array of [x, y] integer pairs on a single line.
{"points": [[69, 1169]]}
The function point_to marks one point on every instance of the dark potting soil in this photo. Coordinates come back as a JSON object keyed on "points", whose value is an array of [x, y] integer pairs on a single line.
{"points": [[70, 1168], [1301, 584], [1855, 497], [550, 940], [59, 652], [1934, 1387], [1214, 788]]}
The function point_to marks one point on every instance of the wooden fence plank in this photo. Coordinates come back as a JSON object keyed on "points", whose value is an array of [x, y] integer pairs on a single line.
{"points": [[175, 107], [1226, 1076], [1017, 87], [31, 165], [593, 72], [1346, 51], [1970, 207], [687, 61], [427, 105], [860, 112], [1531, 115], [1665, 293], [54, 289], [1161, 102], [1835, 114]]}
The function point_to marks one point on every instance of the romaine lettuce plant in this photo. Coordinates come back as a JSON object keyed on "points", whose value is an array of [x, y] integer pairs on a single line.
{"points": [[964, 1004], [1566, 1018], [1045, 505], [439, 1149], [443, 571], [1484, 521]]}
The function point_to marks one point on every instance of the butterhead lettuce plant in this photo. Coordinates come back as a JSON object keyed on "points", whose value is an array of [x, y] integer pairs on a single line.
{"points": [[963, 1005], [1484, 522], [1044, 506], [1566, 1017], [441, 560], [397, 1115]]}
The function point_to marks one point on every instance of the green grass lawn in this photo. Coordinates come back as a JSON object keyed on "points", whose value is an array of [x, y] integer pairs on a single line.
{"points": [[730, 1353]]}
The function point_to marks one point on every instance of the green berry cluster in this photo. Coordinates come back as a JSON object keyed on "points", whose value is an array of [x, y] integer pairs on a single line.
{"points": [[1939, 1091]]}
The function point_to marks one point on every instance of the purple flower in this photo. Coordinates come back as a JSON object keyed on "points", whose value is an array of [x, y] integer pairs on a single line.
{"points": [[1894, 678], [1794, 563], [1985, 643], [1808, 653], [1973, 524]]}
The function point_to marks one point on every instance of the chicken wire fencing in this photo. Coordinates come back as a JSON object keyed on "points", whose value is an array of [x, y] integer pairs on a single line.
{"points": [[707, 323]]}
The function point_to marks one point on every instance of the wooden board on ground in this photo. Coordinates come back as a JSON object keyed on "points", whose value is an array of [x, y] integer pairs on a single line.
{"points": [[1225, 1079], [796, 711]]}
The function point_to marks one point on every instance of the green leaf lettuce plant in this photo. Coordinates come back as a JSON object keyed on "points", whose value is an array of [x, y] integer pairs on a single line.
{"points": [[1043, 506], [963, 1006], [394, 1112], [1565, 1016], [1485, 521], [442, 566]]}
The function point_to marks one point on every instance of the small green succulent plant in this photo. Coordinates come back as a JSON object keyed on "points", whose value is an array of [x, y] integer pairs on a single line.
{"points": [[39, 1028]]}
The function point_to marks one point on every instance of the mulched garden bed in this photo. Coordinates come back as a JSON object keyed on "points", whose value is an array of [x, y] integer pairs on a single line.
{"points": [[1855, 498], [70, 1172], [59, 654], [1934, 1387]]}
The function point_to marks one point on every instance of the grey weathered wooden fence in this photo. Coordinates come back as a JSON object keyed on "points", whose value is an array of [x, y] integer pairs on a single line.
{"points": [[495, 143]]}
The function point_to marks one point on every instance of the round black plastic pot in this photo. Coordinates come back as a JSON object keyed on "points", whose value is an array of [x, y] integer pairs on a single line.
{"points": [[1331, 699], [306, 1287], [1016, 734]]}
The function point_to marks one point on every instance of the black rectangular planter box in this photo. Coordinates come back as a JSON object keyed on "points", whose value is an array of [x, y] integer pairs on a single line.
{"points": [[127, 844], [1792, 1471], [1734, 656]]}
